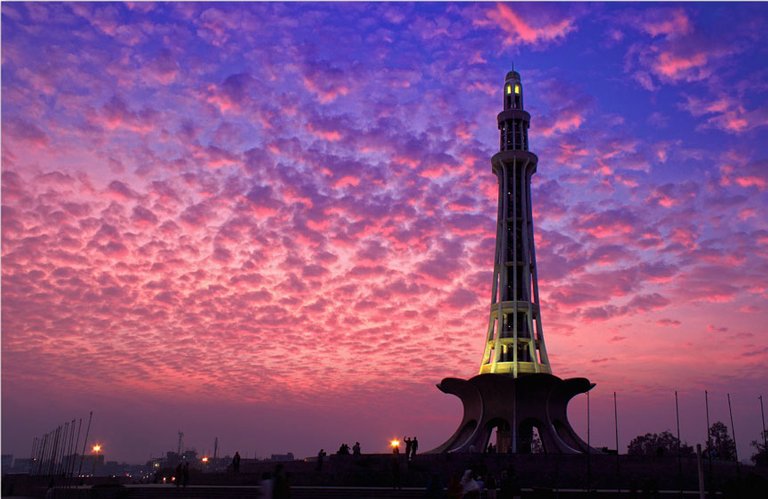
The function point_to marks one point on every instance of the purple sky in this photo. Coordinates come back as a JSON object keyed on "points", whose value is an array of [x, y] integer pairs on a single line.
{"points": [[274, 223]]}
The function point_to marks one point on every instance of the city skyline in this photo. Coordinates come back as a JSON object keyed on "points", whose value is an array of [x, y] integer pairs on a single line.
{"points": [[274, 223]]}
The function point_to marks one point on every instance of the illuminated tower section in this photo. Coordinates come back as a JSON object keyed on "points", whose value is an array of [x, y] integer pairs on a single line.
{"points": [[515, 341]]}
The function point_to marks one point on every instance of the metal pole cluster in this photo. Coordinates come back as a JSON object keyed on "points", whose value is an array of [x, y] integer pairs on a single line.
{"points": [[55, 452], [87, 431]]}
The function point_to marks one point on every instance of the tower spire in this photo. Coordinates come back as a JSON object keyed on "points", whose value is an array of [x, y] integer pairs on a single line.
{"points": [[515, 340]]}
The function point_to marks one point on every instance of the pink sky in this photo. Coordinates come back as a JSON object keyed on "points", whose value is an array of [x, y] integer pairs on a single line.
{"points": [[274, 223]]}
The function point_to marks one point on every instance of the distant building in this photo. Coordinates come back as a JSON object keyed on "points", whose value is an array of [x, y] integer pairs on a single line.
{"points": [[282, 457], [7, 461], [92, 465], [21, 465], [190, 456]]}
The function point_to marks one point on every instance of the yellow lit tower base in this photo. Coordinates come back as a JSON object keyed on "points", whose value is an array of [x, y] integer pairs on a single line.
{"points": [[515, 390]]}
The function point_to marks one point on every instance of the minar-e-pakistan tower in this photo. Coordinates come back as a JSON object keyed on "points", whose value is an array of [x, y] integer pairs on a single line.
{"points": [[515, 390]]}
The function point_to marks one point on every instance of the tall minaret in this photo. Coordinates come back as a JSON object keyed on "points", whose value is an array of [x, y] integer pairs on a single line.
{"points": [[515, 344], [527, 395]]}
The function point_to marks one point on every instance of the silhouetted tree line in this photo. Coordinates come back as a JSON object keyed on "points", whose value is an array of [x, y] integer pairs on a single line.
{"points": [[760, 458], [720, 445], [657, 444]]}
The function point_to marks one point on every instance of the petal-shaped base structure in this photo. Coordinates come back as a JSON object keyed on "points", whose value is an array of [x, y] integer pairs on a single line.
{"points": [[514, 407]]}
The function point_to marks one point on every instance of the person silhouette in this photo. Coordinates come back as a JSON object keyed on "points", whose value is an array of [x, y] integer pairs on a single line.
{"points": [[320, 457], [414, 447], [395, 472], [185, 474], [236, 462], [356, 449], [282, 489], [177, 474], [408, 447]]}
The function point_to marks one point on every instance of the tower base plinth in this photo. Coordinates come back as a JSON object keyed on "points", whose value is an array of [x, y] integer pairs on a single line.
{"points": [[513, 407]]}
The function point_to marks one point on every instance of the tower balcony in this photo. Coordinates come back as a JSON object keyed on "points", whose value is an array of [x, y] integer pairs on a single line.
{"points": [[509, 368], [514, 157], [514, 306], [513, 114]]}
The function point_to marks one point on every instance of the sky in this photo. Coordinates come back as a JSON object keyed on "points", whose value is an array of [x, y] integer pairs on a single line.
{"points": [[274, 223]]}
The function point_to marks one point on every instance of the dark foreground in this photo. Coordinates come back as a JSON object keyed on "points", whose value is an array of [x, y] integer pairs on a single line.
{"points": [[376, 476]]}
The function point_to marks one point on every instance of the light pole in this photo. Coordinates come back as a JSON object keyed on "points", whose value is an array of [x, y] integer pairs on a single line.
{"points": [[395, 444], [765, 435], [96, 449]]}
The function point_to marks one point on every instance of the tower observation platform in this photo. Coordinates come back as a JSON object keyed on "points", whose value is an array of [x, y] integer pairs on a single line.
{"points": [[515, 392]]}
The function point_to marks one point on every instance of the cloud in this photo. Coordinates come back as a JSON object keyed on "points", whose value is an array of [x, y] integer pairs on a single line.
{"points": [[521, 31], [682, 54], [326, 82], [565, 122], [725, 112], [670, 23], [26, 131], [638, 304], [234, 94], [116, 114]]}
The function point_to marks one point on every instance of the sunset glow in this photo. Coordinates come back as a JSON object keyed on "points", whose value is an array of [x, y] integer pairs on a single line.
{"points": [[274, 223]]}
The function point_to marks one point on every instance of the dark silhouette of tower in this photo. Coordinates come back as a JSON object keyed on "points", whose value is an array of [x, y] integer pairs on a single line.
{"points": [[515, 343], [515, 390]]}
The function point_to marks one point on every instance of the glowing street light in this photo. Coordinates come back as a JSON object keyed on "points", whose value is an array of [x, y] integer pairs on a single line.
{"points": [[395, 444], [96, 449], [205, 459]]}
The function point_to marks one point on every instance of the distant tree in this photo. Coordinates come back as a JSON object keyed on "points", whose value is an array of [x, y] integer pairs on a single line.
{"points": [[657, 444], [720, 444], [760, 458]]}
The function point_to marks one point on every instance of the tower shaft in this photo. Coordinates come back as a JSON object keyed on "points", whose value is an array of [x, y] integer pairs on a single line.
{"points": [[515, 341]]}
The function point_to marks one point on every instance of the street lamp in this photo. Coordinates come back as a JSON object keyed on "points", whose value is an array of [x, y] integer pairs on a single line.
{"points": [[395, 444], [96, 449]]}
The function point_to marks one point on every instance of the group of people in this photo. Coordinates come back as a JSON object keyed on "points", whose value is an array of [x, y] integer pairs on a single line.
{"points": [[181, 475], [411, 446], [344, 450]]}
